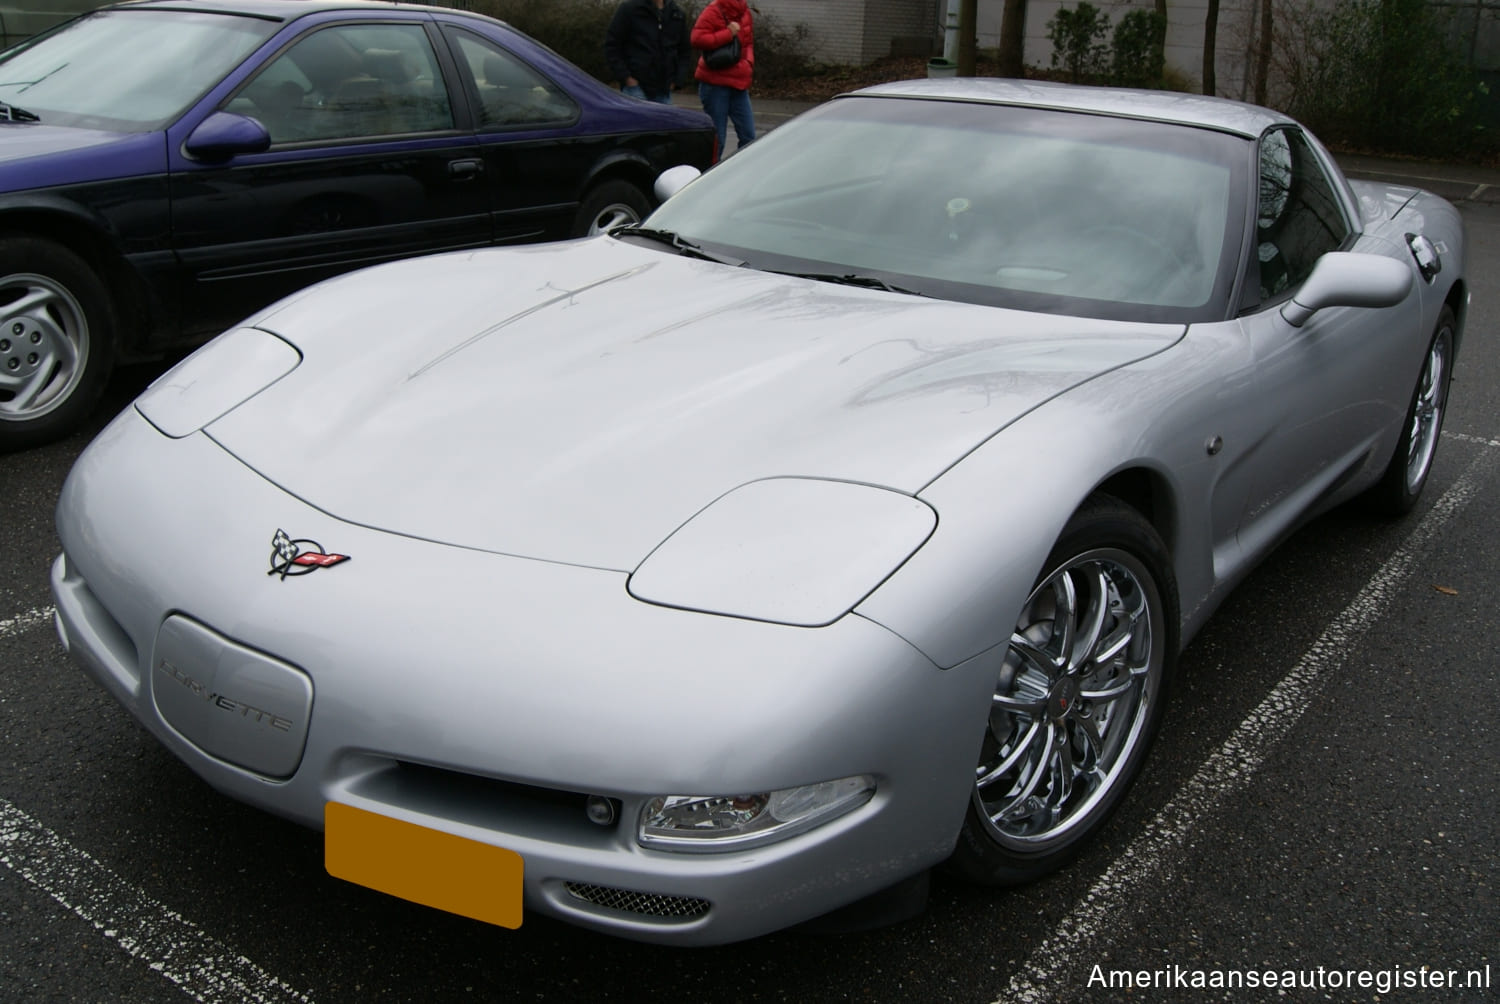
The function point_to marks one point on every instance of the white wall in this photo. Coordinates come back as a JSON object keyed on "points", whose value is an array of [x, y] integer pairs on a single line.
{"points": [[853, 31], [1185, 22]]}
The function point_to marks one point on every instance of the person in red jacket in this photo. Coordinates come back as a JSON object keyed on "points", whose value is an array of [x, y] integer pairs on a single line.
{"points": [[725, 93]]}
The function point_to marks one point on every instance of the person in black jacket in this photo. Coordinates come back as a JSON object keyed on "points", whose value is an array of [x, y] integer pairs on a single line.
{"points": [[647, 48]]}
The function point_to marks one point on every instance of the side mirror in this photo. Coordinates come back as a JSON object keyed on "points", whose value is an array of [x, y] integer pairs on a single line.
{"points": [[675, 179], [1349, 279], [224, 134]]}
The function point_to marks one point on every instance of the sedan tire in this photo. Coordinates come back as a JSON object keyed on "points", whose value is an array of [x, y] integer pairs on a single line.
{"points": [[612, 204], [1078, 700], [56, 344]]}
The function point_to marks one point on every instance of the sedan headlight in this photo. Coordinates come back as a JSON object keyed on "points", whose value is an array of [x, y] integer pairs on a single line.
{"points": [[215, 380], [733, 822], [799, 551]]}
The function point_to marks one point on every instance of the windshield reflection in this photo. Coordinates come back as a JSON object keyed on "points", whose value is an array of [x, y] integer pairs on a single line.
{"points": [[126, 70], [1039, 209]]}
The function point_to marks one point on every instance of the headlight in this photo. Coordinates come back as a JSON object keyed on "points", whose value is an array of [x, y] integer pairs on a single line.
{"points": [[733, 822], [797, 551], [215, 380]]}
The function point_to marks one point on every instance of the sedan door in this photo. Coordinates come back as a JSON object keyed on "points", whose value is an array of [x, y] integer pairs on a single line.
{"points": [[368, 162], [536, 161]]}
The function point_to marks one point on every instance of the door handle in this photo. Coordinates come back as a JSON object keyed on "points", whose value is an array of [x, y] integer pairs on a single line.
{"points": [[463, 170]]}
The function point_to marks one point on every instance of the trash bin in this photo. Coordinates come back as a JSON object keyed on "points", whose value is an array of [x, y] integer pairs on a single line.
{"points": [[941, 67]]}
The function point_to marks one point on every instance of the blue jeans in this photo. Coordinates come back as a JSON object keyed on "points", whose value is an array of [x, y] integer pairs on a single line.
{"points": [[637, 92], [725, 104]]}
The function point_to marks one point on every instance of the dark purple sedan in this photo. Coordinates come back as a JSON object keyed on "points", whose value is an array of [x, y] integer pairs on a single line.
{"points": [[166, 170]]}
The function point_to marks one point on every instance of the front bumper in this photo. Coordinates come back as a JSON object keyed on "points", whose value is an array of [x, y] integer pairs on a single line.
{"points": [[486, 695]]}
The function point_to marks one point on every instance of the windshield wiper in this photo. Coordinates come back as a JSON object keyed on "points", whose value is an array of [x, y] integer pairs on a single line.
{"points": [[10, 113], [854, 279], [676, 241]]}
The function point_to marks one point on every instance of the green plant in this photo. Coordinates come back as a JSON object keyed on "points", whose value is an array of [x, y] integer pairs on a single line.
{"points": [[1381, 75], [574, 29], [1136, 49], [1078, 44]]}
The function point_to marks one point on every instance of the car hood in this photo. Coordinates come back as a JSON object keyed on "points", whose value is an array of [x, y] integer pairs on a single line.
{"points": [[578, 402], [38, 155]]}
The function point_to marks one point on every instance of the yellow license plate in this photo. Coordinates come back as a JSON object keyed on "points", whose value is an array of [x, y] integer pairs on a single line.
{"points": [[422, 865]]}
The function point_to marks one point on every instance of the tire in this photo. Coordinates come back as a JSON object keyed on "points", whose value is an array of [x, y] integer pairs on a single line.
{"points": [[56, 341], [1064, 742], [609, 205], [1406, 475]]}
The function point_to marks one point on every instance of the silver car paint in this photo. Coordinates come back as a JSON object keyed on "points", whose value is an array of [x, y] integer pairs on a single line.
{"points": [[546, 673], [520, 400], [523, 670]]}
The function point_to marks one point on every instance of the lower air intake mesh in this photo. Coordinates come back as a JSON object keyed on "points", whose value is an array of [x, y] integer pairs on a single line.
{"points": [[643, 903]]}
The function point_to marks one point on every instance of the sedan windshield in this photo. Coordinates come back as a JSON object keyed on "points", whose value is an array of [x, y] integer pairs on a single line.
{"points": [[1032, 208], [126, 70]]}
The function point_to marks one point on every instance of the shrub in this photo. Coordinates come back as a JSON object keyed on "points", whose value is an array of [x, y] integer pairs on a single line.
{"points": [[1380, 75], [573, 28], [1078, 41], [1136, 49]]}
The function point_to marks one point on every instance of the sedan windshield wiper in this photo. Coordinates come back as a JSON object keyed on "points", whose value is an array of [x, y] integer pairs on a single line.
{"points": [[854, 279], [10, 113], [676, 241]]}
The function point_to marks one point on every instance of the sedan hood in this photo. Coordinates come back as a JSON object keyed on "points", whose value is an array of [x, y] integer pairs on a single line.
{"points": [[38, 155], [578, 402]]}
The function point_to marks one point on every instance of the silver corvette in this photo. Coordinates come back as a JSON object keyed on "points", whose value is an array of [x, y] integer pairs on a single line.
{"points": [[842, 521]]}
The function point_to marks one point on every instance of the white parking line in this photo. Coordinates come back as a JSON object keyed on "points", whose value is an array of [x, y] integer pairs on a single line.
{"points": [[23, 622], [175, 948], [1149, 857], [1462, 438]]}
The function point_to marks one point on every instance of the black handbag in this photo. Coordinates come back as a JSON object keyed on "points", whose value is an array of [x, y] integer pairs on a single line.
{"points": [[724, 56]]}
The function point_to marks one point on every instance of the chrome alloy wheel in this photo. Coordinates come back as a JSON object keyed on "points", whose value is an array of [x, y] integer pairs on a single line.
{"points": [[1427, 412], [44, 343], [1075, 696]]}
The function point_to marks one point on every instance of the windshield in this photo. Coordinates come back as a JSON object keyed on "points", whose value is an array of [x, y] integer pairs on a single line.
{"points": [[126, 70], [1037, 209]]}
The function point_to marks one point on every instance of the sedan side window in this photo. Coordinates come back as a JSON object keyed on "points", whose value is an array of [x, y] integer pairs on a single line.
{"points": [[347, 82], [1299, 218], [510, 92]]}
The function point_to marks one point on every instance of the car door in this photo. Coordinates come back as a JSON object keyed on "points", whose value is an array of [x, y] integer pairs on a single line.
{"points": [[1325, 391], [369, 161], [535, 162]]}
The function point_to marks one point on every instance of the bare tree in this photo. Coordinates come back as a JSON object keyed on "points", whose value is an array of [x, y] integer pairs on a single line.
{"points": [[968, 36], [1160, 46], [1263, 54], [1013, 39], [1210, 44]]}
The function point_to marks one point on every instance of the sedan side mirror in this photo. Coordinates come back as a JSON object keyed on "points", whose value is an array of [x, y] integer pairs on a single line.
{"points": [[1349, 279], [224, 134], [675, 179]]}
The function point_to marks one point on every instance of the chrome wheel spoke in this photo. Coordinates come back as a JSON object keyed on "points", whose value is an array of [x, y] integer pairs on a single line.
{"points": [[1072, 700], [1020, 705], [1044, 662], [1091, 630], [1062, 621], [1017, 756], [1020, 800], [1116, 689]]}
